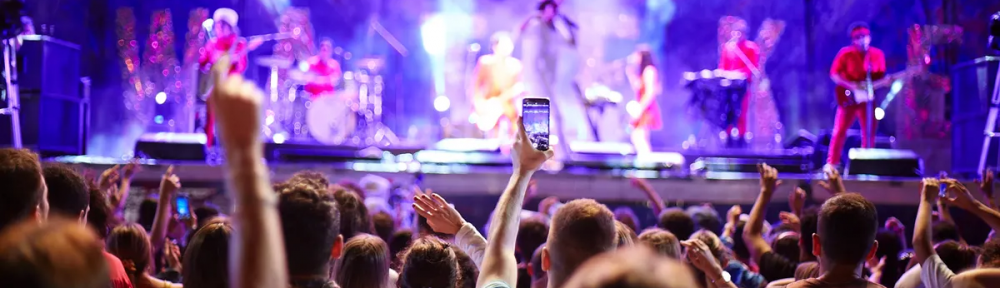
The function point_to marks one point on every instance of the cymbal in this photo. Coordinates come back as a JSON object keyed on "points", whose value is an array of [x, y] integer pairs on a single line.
{"points": [[372, 63], [273, 61]]}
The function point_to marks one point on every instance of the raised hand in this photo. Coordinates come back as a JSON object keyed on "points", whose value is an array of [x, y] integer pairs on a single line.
{"points": [[791, 219], [131, 168], [172, 255], [440, 216], [236, 104], [170, 183], [797, 200], [733, 215], [768, 178], [700, 256], [986, 187], [893, 224], [930, 187], [834, 184], [958, 195], [526, 158], [108, 178]]}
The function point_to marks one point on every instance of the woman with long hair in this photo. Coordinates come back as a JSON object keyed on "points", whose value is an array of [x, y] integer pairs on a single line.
{"points": [[130, 243], [645, 82], [364, 264], [206, 257]]}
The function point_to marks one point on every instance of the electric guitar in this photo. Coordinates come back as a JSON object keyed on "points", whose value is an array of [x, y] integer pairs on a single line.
{"points": [[489, 111], [860, 96]]}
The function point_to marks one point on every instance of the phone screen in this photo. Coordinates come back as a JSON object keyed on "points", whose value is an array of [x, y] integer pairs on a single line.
{"points": [[535, 112], [183, 207]]}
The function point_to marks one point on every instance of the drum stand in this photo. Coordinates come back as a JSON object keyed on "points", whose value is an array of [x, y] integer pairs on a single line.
{"points": [[373, 132], [13, 99]]}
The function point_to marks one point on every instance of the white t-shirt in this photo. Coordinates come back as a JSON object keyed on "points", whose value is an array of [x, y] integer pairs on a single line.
{"points": [[934, 274], [910, 279]]}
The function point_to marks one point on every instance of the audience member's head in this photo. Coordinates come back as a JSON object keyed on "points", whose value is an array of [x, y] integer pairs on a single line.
{"points": [[846, 230], [956, 256], [705, 217], [662, 242], [147, 213], [55, 254], [807, 224], [943, 230], [312, 178], [740, 250], [206, 258], [68, 194], [468, 272], [204, 214], [635, 267], [626, 237], [365, 263], [130, 244], [429, 263], [354, 218], [401, 240], [714, 245], [310, 223], [990, 254], [535, 266], [99, 217], [531, 233], [581, 229], [889, 246], [384, 225], [625, 215], [676, 221], [23, 194], [786, 244]]}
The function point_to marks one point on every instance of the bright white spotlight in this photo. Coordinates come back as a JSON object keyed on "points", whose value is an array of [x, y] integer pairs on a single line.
{"points": [[304, 66], [632, 108], [897, 86], [434, 32], [279, 138], [208, 24], [442, 103], [161, 97], [879, 113]]}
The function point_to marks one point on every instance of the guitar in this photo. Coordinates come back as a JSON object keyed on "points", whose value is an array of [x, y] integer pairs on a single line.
{"points": [[205, 81], [860, 96], [489, 111]]}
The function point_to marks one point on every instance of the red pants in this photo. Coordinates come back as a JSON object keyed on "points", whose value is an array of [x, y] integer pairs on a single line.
{"points": [[844, 119]]}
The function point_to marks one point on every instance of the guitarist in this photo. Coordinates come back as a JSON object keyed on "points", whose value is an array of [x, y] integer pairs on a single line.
{"points": [[497, 84], [850, 72]]}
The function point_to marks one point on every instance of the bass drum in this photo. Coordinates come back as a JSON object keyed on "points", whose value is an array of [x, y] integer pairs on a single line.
{"points": [[330, 120]]}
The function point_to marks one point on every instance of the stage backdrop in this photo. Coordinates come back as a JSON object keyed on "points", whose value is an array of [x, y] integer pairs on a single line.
{"points": [[430, 45]]}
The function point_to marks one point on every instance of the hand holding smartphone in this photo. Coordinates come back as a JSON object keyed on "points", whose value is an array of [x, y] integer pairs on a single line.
{"points": [[183, 207], [535, 114]]}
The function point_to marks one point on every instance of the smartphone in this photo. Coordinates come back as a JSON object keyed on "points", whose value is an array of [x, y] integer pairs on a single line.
{"points": [[183, 206], [535, 112]]}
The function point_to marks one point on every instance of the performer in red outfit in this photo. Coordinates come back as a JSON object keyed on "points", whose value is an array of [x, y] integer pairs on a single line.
{"points": [[849, 72], [741, 55], [226, 40], [325, 71], [645, 81]]}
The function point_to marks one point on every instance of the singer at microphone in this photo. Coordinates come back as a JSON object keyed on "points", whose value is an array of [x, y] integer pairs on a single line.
{"points": [[850, 71]]}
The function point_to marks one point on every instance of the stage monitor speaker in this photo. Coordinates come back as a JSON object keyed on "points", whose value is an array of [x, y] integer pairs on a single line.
{"points": [[972, 87], [884, 162], [54, 99]]}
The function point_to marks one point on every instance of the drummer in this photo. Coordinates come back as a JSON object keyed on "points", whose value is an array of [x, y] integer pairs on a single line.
{"points": [[324, 71]]}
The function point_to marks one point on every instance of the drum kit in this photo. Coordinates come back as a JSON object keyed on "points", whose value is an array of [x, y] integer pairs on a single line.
{"points": [[350, 115]]}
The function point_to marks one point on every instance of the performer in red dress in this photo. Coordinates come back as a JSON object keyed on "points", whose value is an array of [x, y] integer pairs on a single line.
{"points": [[849, 72], [645, 82], [226, 40], [741, 55], [324, 71]]}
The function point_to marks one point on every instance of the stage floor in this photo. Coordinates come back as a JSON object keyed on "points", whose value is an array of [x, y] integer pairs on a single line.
{"points": [[610, 184]]}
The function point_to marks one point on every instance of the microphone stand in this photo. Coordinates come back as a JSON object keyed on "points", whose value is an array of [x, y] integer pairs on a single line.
{"points": [[869, 124]]}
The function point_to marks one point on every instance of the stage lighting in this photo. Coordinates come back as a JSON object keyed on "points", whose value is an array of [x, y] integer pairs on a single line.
{"points": [[994, 42], [442, 103], [161, 97], [879, 113]]}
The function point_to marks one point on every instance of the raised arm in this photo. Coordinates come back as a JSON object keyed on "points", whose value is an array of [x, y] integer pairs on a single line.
{"points": [[119, 198], [499, 263], [961, 197], [986, 187], [753, 232], [443, 218], [833, 184], [922, 246], [164, 209], [257, 258], [656, 203]]}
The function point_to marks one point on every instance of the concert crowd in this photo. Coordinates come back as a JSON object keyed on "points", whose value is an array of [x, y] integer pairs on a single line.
{"points": [[58, 229]]}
